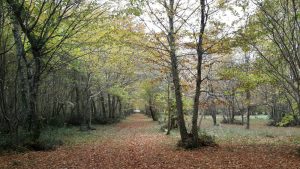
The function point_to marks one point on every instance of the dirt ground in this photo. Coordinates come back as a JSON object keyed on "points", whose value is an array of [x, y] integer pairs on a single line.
{"points": [[137, 143]]}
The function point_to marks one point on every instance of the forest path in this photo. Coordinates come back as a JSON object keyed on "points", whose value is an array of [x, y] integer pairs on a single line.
{"points": [[137, 143]]}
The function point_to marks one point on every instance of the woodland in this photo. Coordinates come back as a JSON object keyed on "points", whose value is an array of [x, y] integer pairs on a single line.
{"points": [[150, 84]]}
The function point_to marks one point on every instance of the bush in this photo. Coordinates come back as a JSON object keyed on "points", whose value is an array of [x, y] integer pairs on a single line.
{"points": [[46, 142], [50, 139], [14, 142], [272, 123], [57, 121], [226, 121], [106, 121], [287, 120], [5, 142], [164, 127], [74, 120], [204, 140]]}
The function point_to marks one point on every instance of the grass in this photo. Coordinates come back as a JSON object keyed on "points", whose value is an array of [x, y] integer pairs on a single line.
{"points": [[259, 133], [52, 137], [73, 136]]}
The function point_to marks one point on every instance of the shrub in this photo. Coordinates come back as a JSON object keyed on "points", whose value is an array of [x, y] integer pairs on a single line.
{"points": [[14, 142], [164, 127], [104, 121], [57, 121], [287, 120], [5, 142], [204, 140], [74, 120], [226, 121], [272, 123], [45, 143]]}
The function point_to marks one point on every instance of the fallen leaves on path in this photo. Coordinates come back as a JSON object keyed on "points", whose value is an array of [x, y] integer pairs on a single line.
{"points": [[137, 143]]}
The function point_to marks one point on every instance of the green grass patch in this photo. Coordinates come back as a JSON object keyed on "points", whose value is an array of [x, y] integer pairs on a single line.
{"points": [[259, 133]]}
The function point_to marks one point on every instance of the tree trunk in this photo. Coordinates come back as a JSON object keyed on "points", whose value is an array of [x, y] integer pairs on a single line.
{"points": [[109, 106], [248, 109], [169, 107], [232, 107], [212, 108], [103, 105], [152, 112], [34, 83], [20, 56], [175, 73], [113, 107], [120, 107], [199, 73], [248, 95]]}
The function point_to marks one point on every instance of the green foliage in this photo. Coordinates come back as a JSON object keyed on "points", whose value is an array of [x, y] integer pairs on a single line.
{"points": [[44, 143], [187, 103], [134, 11], [5, 142], [206, 139], [287, 120], [23, 142], [57, 121]]}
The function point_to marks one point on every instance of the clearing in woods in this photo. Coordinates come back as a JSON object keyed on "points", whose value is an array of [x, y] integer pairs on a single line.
{"points": [[137, 143]]}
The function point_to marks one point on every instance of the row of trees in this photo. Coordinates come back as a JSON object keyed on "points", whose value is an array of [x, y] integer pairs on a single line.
{"points": [[242, 67], [80, 62], [64, 62]]}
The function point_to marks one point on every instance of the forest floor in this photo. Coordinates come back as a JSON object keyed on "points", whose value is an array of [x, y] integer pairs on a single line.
{"points": [[137, 143]]}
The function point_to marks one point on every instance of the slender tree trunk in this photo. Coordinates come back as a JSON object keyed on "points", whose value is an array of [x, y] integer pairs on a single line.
{"points": [[169, 107], [3, 102], [248, 109], [109, 106], [242, 115], [213, 113], [248, 95], [175, 73], [36, 119], [34, 83], [199, 73], [113, 107], [120, 107], [103, 105], [152, 112], [3, 71], [20, 56], [232, 107]]}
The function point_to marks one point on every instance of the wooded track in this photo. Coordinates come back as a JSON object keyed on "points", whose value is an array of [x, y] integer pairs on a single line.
{"points": [[137, 143]]}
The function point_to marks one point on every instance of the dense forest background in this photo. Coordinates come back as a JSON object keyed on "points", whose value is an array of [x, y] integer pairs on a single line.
{"points": [[82, 63]]}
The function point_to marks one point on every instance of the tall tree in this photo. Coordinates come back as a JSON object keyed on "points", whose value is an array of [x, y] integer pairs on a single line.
{"points": [[276, 40], [46, 25], [200, 53]]}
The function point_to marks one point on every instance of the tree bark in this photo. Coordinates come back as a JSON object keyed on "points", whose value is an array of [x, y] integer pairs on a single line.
{"points": [[152, 112], [20, 56], [248, 94], [248, 109], [109, 106], [113, 107], [175, 73], [103, 105], [199, 73], [169, 107]]}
